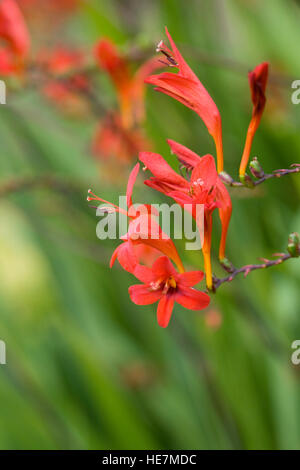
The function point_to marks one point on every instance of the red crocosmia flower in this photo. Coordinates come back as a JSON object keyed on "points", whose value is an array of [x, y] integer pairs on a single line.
{"points": [[189, 160], [13, 28], [164, 284], [117, 68], [143, 229], [258, 79], [204, 187], [185, 87], [120, 134], [129, 86]]}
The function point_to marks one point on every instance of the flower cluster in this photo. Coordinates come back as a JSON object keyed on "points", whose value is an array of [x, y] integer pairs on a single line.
{"points": [[145, 242], [64, 76], [201, 185]]}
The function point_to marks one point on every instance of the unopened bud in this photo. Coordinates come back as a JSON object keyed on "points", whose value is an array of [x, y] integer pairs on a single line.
{"points": [[256, 169], [226, 178], [227, 265], [247, 181], [294, 245]]}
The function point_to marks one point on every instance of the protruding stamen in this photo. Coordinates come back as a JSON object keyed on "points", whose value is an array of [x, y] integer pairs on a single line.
{"points": [[198, 182], [161, 47], [93, 196]]}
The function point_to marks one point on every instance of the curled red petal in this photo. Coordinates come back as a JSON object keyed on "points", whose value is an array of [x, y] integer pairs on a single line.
{"points": [[161, 169], [126, 257], [130, 185], [186, 157]]}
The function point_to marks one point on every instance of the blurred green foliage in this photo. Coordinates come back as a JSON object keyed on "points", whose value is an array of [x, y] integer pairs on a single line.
{"points": [[86, 368]]}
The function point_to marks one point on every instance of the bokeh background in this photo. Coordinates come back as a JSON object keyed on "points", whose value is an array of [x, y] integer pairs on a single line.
{"points": [[86, 368]]}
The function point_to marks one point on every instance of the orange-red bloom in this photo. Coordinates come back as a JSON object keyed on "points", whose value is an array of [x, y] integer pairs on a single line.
{"points": [[205, 187], [164, 284], [143, 229], [129, 86], [258, 79], [185, 87], [13, 31], [120, 134]]}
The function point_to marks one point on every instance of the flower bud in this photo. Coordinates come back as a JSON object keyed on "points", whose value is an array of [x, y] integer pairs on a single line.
{"points": [[256, 168], [294, 245], [226, 178], [227, 265], [247, 181]]}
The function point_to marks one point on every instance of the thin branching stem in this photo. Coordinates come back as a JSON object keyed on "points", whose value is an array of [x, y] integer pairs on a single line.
{"points": [[280, 258]]}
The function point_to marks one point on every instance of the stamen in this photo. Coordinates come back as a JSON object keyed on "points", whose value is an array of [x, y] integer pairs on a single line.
{"points": [[93, 197], [198, 182], [161, 47], [155, 285]]}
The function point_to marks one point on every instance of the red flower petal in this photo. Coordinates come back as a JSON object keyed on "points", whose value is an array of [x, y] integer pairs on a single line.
{"points": [[190, 278], [163, 268], [161, 169], [258, 79], [164, 310], [142, 295], [144, 229], [186, 157], [205, 172], [144, 274], [225, 211], [191, 298], [13, 27], [126, 257], [131, 181]]}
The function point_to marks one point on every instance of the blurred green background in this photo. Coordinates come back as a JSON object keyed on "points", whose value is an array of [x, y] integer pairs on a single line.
{"points": [[86, 368]]}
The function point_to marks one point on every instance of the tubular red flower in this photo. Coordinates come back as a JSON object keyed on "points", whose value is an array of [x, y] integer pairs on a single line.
{"points": [[130, 87], [187, 88], [13, 28], [258, 79], [204, 187], [164, 284], [143, 229]]}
